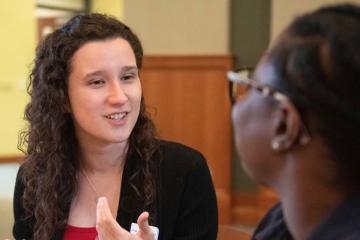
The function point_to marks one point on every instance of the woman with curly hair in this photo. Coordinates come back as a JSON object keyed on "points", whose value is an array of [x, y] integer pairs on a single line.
{"points": [[93, 166]]}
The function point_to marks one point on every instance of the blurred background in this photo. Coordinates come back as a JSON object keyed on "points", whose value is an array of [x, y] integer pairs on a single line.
{"points": [[189, 45]]}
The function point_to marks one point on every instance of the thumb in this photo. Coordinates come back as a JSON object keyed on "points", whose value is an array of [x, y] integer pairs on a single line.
{"points": [[143, 222]]}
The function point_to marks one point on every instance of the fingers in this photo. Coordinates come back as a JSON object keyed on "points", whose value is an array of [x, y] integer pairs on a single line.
{"points": [[103, 210], [102, 221], [143, 222], [106, 225], [109, 229]]}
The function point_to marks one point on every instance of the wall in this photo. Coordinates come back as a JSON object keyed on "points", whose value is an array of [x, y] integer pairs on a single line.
{"points": [[17, 47], [283, 11], [17, 31], [249, 35], [112, 7], [180, 26]]}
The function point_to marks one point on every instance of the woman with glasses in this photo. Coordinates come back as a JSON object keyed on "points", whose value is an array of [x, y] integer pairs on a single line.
{"points": [[297, 126]]}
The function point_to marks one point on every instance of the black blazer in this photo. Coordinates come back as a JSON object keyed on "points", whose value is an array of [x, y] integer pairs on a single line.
{"points": [[343, 223], [185, 205]]}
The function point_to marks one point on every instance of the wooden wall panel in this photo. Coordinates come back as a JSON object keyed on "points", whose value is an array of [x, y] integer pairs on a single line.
{"points": [[11, 159], [248, 208], [228, 232], [187, 97]]}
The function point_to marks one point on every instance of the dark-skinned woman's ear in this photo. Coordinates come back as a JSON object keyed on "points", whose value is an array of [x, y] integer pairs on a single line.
{"points": [[287, 127], [304, 137]]}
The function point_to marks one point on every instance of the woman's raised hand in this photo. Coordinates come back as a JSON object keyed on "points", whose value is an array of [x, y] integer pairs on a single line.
{"points": [[109, 229]]}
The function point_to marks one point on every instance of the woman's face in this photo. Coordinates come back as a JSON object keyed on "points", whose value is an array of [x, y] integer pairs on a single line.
{"points": [[104, 91], [252, 116]]}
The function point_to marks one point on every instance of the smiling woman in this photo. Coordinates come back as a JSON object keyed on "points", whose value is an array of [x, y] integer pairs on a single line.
{"points": [[93, 166], [104, 83]]}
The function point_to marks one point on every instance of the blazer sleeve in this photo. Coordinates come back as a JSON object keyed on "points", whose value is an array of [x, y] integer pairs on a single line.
{"points": [[198, 217], [22, 228]]}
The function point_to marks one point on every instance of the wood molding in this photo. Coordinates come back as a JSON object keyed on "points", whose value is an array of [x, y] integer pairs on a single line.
{"points": [[224, 205], [188, 61], [227, 232], [11, 159], [267, 198], [244, 210], [244, 199], [249, 207]]}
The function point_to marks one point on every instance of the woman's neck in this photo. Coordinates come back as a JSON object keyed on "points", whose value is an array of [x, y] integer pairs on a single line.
{"points": [[308, 195], [100, 158], [305, 208]]}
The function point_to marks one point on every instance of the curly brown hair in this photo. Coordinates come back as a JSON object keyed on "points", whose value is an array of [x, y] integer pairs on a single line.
{"points": [[49, 142]]}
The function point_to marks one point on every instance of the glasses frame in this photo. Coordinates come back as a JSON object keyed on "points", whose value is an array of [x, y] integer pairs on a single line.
{"points": [[241, 76]]}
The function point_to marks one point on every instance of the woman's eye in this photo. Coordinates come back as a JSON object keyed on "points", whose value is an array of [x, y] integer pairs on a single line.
{"points": [[128, 76], [97, 82]]}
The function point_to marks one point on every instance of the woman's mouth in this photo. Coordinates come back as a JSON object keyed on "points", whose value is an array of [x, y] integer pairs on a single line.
{"points": [[117, 116]]}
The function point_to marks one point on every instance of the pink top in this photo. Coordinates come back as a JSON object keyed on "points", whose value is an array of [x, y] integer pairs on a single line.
{"points": [[80, 233]]}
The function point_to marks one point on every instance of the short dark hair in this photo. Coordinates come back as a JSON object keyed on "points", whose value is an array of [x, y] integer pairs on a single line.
{"points": [[317, 61]]}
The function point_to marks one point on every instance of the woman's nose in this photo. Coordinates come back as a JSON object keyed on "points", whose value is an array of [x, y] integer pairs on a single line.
{"points": [[117, 95]]}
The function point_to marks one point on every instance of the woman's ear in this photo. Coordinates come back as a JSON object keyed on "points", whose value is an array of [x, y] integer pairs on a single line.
{"points": [[287, 126]]}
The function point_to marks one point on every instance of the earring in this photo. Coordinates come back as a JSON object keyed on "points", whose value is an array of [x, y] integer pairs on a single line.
{"points": [[275, 145], [305, 139]]}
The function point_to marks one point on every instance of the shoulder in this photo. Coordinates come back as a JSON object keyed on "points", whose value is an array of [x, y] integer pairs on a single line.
{"points": [[22, 229], [183, 169], [181, 166], [271, 218], [186, 194], [355, 235], [179, 156], [178, 149], [19, 185], [273, 225], [343, 222]]}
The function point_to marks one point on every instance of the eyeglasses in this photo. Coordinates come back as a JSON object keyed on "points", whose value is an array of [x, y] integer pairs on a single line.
{"points": [[241, 83]]}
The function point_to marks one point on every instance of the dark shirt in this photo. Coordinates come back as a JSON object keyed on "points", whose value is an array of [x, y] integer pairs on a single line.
{"points": [[341, 224], [185, 204]]}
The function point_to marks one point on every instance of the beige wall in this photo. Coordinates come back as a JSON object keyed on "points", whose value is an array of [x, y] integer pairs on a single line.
{"points": [[17, 43], [17, 47], [112, 7], [180, 26], [283, 11]]}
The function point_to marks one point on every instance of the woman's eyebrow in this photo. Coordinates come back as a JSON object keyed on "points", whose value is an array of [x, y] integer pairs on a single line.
{"points": [[95, 73], [99, 72], [129, 68]]}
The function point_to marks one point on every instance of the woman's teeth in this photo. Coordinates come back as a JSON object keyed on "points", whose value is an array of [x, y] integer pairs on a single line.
{"points": [[116, 116]]}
